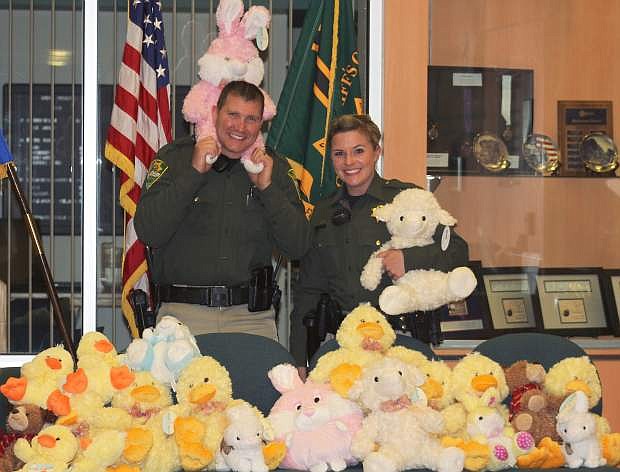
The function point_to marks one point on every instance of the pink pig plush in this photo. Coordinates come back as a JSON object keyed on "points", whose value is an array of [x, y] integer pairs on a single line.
{"points": [[316, 423], [231, 56]]}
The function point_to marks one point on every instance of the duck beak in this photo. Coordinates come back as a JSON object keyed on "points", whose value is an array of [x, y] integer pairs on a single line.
{"points": [[370, 330], [481, 383]]}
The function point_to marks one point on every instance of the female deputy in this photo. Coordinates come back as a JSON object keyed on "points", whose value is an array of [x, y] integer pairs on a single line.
{"points": [[345, 234]]}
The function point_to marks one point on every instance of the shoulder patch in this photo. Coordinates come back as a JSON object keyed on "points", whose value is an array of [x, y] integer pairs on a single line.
{"points": [[156, 170]]}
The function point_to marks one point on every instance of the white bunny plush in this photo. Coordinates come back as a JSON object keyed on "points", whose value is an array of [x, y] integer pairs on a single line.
{"points": [[242, 443], [412, 218], [577, 428], [231, 56]]}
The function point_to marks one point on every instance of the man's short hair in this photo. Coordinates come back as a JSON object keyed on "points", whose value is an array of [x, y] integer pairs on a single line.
{"points": [[249, 92], [362, 123]]}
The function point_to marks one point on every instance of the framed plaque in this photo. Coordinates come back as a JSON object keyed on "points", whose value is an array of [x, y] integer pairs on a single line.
{"points": [[512, 298], [571, 302], [468, 318], [577, 119], [611, 289]]}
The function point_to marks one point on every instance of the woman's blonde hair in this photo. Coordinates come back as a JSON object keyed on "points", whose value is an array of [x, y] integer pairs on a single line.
{"points": [[362, 123]]}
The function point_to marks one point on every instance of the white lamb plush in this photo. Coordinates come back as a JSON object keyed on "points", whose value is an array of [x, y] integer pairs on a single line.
{"points": [[577, 428], [412, 219], [398, 435]]}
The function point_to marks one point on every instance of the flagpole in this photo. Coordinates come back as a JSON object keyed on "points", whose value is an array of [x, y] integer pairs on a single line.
{"points": [[38, 245]]}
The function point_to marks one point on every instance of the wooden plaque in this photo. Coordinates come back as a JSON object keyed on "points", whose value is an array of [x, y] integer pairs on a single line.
{"points": [[576, 119]]}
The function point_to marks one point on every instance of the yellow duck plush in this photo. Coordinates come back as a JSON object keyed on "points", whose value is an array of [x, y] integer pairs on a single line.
{"points": [[479, 381], [39, 381], [204, 394], [440, 395], [364, 335], [92, 385], [578, 373], [204, 390], [150, 444], [51, 450], [101, 364], [105, 449]]}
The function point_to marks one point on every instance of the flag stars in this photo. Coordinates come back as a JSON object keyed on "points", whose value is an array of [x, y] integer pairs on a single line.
{"points": [[157, 23], [147, 20], [163, 53], [161, 71], [136, 3], [148, 40]]}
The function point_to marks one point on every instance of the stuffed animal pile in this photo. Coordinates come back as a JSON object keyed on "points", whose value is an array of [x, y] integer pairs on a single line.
{"points": [[395, 410]]}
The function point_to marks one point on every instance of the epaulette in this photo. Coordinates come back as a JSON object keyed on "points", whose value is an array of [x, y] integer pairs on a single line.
{"points": [[175, 144], [395, 183]]}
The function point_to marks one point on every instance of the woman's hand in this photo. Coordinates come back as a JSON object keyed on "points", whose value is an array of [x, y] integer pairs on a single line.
{"points": [[393, 262]]}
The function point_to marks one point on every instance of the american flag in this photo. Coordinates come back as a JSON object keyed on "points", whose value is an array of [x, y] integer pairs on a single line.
{"points": [[139, 126]]}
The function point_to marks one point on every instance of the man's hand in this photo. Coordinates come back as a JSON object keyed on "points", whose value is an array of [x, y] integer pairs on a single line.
{"points": [[262, 180], [303, 373], [203, 149], [393, 262]]}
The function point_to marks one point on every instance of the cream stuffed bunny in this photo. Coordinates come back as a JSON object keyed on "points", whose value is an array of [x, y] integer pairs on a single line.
{"points": [[412, 219], [242, 444], [577, 428]]}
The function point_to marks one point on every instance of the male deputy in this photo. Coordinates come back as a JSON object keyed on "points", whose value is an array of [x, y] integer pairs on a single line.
{"points": [[210, 226]]}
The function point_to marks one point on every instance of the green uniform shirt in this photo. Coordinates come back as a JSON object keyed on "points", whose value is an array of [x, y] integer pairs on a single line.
{"points": [[213, 228], [339, 253]]}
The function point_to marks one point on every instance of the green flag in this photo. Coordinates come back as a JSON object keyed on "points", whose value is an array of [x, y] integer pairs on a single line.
{"points": [[322, 83]]}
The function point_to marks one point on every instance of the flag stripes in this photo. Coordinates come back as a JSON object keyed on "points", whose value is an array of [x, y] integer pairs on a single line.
{"points": [[140, 125]]}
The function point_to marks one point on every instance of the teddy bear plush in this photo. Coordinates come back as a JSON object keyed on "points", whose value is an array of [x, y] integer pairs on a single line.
{"points": [[531, 408], [412, 219], [51, 450], [163, 351], [23, 421], [396, 434], [577, 428], [231, 56], [316, 423]]}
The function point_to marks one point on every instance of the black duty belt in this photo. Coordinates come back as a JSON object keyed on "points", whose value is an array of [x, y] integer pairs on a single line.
{"points": [[213, 295]]}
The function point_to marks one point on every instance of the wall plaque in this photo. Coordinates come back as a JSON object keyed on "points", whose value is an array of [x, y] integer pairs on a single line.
{"points": [[577, 119]]}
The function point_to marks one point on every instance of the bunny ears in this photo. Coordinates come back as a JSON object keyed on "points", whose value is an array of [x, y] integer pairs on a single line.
{"points": [[253, 24]]}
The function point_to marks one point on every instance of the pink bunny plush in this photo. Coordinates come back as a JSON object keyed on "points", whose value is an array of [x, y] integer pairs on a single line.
{"points": [[316, 423], [231, 56]]}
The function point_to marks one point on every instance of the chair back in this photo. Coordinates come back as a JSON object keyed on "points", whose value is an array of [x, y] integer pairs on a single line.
{"points": [[545, 349], [401, 340], [5, 406], [247, 358]]}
